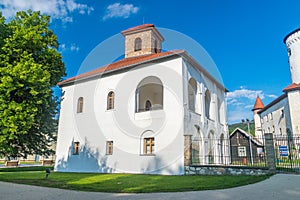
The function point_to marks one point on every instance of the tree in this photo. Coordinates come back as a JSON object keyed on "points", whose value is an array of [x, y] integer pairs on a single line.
{"points": [[30, 65]]}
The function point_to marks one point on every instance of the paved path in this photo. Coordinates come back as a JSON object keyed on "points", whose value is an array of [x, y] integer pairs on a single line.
{"points": [[278, 187]]}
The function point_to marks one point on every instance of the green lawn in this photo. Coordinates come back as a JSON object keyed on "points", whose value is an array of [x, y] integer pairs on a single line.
{"points": [[128, 183]]}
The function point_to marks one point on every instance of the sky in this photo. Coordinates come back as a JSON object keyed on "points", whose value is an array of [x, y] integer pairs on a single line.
{"points": [[243, 38]]}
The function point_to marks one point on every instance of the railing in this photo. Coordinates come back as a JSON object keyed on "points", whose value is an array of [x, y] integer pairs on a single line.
{"points": [[229, 152]]}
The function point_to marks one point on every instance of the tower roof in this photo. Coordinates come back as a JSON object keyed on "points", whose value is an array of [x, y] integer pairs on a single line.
{"points": [[258, 104], [291, 33], [293, 86]]}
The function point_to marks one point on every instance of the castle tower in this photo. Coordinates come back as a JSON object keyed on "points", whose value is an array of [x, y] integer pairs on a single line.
{"points": [[292, 42], [257, 107], [142, 40]]}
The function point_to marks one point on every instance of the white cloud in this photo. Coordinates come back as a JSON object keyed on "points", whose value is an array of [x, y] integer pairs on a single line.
{"points": [[273, 96], [66, 48], [120, 10], [73, 47], [58, 9], [243, 92]]}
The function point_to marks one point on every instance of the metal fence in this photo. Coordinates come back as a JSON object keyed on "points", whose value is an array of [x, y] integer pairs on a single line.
{"points": [[246, 150], [239, 150], [287, 151]]}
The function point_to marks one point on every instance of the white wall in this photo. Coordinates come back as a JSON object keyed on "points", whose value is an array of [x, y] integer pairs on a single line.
{"points": [[294, 105], [122, 125], [272, 119]]}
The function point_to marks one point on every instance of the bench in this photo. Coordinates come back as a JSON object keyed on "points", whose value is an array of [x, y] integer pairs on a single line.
{"points": [[12, 163], [47, 162]]}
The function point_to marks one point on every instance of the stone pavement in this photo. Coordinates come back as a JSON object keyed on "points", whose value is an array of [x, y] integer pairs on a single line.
{"points": [[278, 187]]}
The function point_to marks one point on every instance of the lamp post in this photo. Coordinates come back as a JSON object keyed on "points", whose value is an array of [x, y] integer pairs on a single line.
{"points": [[250, 138]]}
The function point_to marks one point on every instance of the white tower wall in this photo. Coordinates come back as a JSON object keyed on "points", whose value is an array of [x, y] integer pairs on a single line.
{"points": [[292, 42]]}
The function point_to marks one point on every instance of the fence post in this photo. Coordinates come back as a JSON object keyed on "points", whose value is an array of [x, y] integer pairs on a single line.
{"points": [[270, 152], [187, 150]]}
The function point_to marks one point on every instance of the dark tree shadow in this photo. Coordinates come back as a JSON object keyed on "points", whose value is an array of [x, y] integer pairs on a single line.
{"points": [[86, 161]]}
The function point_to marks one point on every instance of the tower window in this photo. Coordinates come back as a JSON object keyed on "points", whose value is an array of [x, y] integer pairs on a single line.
{"points": [[155, 46], [138, 44], [289, 52]]}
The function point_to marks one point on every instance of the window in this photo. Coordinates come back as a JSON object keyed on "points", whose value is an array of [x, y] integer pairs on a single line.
{"points": [[280, 131], [149, 94], [155, 46], [149, 146], [289, 52], [80, 105], [109, 147], [110, 100], [138, 44], [76, 148], [192, 90], [271, 116], [242, 151], [207, 104], [148, 105]]}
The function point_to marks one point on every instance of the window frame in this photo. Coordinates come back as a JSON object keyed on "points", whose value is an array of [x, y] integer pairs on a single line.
{"points": [[138, 44], [80, 102], [110, 101], [109, 147], [242, 151], [76, 148], [149, 141]]}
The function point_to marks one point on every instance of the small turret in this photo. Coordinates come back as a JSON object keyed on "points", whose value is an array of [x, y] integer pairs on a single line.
{"points": [[142, 40], [257, 107]]}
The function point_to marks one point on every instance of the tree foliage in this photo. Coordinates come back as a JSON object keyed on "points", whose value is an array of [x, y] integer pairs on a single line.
{"points": [[30, 65]]}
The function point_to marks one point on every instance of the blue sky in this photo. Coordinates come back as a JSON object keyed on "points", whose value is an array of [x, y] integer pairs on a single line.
{"points": [[244, 38]]}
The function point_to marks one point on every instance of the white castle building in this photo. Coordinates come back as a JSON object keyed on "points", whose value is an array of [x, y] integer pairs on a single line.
{"points": [[282, 116], [139, 114]]}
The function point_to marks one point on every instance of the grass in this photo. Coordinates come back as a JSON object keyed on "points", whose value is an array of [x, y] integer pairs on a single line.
{"points": [[129, 183]]}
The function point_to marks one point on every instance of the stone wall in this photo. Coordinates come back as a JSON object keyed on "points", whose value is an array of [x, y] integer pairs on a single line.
{"points": [[224, 170]]}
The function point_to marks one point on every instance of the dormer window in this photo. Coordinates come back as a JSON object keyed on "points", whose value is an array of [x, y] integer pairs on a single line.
{"points": [[138, 44]]}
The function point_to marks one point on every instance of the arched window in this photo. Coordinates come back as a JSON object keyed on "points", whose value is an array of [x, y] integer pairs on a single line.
{"points": [[192, 90], [155, 46], [147, 140], [80, 105], [110, 100], [211, 147], [137, 44], [149, 94], [148, 105], [207, 104], [220, 116]]}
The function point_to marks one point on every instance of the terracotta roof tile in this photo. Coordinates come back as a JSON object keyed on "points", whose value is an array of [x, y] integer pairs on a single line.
{"points": [[258, 104], [293, 86], [138, 27], [121, 64]]}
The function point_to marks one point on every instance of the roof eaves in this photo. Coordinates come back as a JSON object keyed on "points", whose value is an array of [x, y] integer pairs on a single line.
{"points": [[74, 79], [278, 99]]}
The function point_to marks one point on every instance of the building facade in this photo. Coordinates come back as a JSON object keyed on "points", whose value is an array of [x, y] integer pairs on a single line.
{"points": [[138, 114], [282, 116]]}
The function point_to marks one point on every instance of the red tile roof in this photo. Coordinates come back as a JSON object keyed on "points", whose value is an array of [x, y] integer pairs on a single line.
{"points": [[293, 86], [121, 64], [138, 27], [258, 104]]}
